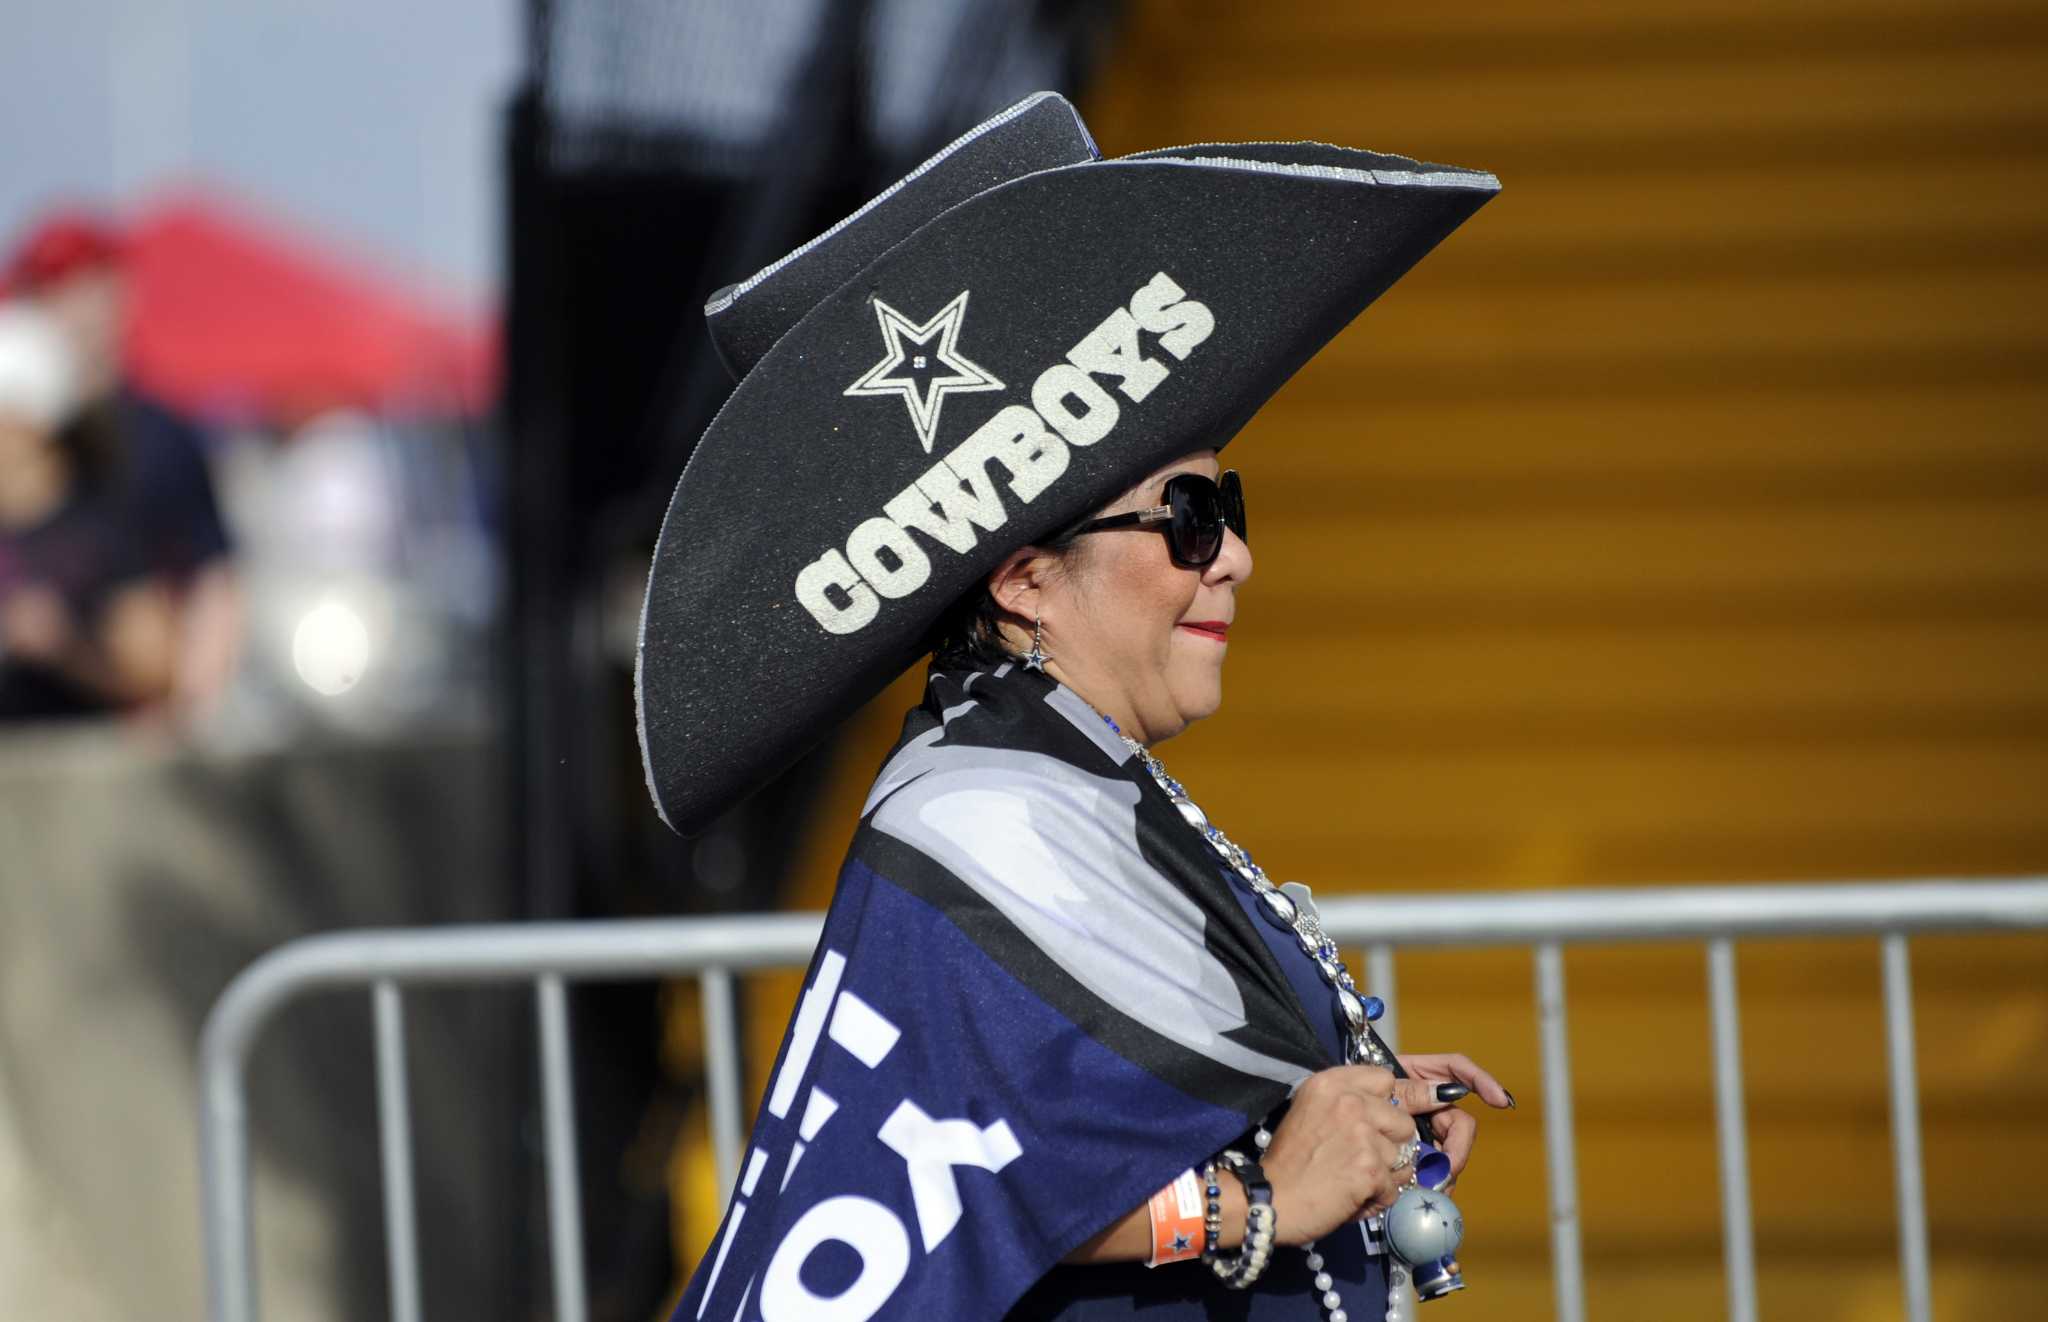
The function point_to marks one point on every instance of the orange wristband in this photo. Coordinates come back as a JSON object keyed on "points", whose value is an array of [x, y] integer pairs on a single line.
{"points": [[1176, 1220]]}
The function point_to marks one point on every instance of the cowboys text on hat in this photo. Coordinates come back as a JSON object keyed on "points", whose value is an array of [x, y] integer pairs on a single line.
{"points": [[842, 589]]}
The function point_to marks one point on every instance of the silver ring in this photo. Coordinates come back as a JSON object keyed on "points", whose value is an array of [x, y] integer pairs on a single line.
{"points": [[1406, 1156]]}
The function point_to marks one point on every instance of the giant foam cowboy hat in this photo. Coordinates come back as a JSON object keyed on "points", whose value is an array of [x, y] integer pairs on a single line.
{"points": [[1002, 342]]}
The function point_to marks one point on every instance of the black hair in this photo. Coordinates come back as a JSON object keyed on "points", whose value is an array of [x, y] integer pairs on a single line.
{"points": [[969, 635]]}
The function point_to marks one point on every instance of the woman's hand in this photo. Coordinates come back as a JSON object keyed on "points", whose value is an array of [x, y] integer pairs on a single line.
{"points": [[35, 624], [1454, 1129], [1333, 1158], [127, 657]]}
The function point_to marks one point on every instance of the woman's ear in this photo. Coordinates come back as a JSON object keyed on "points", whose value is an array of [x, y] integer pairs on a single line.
{"points": [[1015, 584]]}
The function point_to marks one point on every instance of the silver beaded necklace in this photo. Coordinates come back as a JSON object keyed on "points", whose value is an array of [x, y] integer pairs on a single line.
{"points": [[1296, 913]]}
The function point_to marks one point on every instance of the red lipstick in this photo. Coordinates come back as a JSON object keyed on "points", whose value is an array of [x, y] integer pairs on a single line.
{"points": [[1216, 629]]}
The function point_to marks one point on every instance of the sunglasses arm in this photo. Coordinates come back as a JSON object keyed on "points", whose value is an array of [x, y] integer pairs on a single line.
{"points": [[1136, 518]]}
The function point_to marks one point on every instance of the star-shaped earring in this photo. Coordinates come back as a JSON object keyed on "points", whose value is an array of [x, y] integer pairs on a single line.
{"points": [[1036, 658]]}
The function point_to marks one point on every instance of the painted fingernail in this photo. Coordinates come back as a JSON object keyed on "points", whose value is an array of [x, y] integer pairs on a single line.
{"points": [[1511, 1099], [1451, 1092]]}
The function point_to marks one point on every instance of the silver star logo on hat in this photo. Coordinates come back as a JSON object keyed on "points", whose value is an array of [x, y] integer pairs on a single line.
{"points": [[924, 377]]}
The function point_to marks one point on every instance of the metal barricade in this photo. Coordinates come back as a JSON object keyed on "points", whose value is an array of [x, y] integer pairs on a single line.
{"points": [[714, 949]]}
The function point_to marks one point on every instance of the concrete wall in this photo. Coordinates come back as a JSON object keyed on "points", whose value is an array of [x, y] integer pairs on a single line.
{"points": [[135, 880]]}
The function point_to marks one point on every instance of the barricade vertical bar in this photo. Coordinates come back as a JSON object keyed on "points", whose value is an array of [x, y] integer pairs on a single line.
{"points": [[558, 1116], [1379, 981], [1566, 1267], [1738, 1236], [224, 1154], [722, 1075], [1905, 1089], [394, 1126]]}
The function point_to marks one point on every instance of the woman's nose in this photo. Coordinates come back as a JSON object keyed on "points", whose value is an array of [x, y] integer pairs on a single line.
{"points": [[1233, 564]]}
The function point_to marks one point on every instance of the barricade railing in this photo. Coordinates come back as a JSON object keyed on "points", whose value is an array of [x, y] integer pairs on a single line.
{"points": [[715, 949]]}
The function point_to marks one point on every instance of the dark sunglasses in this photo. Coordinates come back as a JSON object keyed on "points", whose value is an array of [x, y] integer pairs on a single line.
{"points": [[1196, 512]]}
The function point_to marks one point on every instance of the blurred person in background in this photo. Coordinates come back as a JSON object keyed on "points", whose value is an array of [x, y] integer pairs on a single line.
{"points": [[147, 464], [86, 624]]}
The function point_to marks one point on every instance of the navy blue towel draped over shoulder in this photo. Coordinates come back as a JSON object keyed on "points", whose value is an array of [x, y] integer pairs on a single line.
{"points": [[1036, 1000]]}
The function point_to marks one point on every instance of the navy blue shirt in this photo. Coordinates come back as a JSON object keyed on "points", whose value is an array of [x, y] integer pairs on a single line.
{"points": [[141, 506], [167, 487], [85, 553]]}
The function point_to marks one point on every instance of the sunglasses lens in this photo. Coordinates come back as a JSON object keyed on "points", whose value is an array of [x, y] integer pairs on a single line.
{"points": [[1197, 528], [1232, 490]]}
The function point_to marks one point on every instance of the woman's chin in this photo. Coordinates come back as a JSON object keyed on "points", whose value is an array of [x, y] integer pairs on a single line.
{"points": [[1201, 700]]}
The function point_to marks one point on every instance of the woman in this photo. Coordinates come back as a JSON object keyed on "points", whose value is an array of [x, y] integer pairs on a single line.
{"points": [[86, 626], [1059, 1025], [1138, 628], [146, 463]]}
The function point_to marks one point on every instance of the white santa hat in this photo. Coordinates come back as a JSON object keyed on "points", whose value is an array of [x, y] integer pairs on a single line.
{"points": [[38, 374]]}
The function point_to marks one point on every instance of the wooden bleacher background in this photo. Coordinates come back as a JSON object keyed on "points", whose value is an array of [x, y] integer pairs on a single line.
{"points": [[1683, 519]]}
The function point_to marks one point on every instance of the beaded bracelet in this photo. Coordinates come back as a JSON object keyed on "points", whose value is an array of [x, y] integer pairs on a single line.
{"points": [[1260, 1224]]}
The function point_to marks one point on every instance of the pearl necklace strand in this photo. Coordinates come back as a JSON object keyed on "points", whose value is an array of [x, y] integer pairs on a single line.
{"points": [[1353, 1012]]}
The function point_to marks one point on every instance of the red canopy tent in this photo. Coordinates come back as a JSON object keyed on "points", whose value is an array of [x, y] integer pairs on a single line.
{"points": [[231, 316]]}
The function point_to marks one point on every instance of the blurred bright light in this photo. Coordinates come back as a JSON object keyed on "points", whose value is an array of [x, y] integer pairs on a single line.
{"points": [[330, 648]]}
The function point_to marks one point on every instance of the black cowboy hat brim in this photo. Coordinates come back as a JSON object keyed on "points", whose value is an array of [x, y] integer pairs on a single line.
{"points": [[1014, 364]]}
